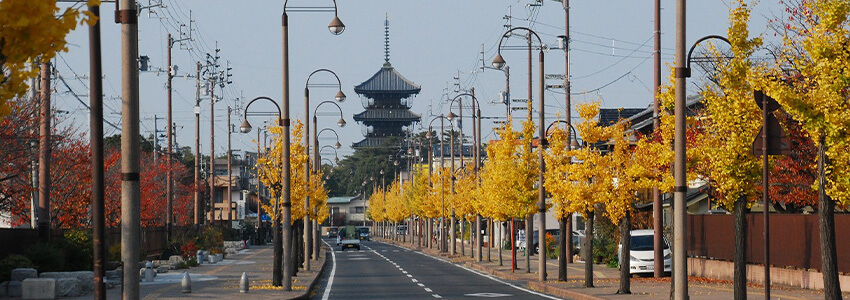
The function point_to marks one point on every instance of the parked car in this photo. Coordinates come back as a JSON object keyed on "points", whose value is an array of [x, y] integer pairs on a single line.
{"points": [[641, 254], [578, 238], [401, 230]]}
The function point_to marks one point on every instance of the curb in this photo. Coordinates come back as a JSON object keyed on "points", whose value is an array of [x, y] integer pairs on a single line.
{"points": [[315, 282]]}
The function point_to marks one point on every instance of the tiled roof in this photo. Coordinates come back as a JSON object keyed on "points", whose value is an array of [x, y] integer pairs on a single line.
{"points": [[386, 114], [371, 142], [608, 116], [387, 81]]}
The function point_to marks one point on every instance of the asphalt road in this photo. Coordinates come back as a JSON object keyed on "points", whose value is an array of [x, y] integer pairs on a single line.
{"points": [[382, 271]]}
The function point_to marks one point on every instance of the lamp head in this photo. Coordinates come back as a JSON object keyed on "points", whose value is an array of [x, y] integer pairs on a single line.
{"points": [[336, 27], [574, 144], [340, 96], [336, 160], [498, 62], [245, 127], [382, 172], [451, 116], [337, 145], [341, 122]]}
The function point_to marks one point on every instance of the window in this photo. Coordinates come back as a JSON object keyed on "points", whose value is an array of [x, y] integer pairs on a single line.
{"points": [[359, 209]]}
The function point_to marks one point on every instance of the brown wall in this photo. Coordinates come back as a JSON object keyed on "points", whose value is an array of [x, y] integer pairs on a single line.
{"points": [[794, 239]]}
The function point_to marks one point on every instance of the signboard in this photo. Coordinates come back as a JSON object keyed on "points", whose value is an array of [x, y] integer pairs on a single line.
{"points": [[777, 142], [555, 86], [555, 76]]}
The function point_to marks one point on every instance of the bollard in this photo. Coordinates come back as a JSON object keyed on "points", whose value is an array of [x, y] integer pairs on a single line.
{"points": [[186, 283], [243, 283], [149, 272]]}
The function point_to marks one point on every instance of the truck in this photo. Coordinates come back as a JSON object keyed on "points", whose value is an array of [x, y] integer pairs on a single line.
{"points": [[349, 237]]}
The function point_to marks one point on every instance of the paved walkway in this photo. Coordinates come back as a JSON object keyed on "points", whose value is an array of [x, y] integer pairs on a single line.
{"points": [[606, 280], [221, 280]]}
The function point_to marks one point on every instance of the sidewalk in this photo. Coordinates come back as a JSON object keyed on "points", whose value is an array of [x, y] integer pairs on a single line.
{"points": [[221, 280], [606, 280]]}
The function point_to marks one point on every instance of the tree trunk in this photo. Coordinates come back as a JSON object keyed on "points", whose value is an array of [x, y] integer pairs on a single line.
{"points": [[826, 211], [501, 243], [625, 256], [529, 244], [587, 248], [740, 273], [462, 244], [562, 248], [513, 244]]}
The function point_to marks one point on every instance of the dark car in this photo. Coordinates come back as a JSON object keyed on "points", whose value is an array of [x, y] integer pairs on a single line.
{"points": [[363, 233], [333, 232], [556, 233]]}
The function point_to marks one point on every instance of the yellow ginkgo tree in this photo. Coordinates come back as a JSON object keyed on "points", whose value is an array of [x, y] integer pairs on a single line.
{"points": [[812, 83], [31, 31]]}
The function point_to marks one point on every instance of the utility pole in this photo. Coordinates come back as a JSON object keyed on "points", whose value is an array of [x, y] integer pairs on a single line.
{"points": [[44, 155], [657, 216], [229, 197], [198, 219], [169, 186], [98, 206], [680, 260], [212, 148], [156, 138], [566, 224], [130, 188]]}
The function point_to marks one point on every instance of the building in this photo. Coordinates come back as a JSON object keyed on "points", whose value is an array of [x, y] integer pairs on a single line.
{"points": [[347, 210], [242, 181], [386, 98]]}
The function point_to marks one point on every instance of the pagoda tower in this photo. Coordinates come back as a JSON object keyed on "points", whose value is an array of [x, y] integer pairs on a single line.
{"points": [[385, 97]]}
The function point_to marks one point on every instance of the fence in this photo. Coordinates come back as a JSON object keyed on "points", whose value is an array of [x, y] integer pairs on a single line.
{"points": [[794, 239], [153, 239]]}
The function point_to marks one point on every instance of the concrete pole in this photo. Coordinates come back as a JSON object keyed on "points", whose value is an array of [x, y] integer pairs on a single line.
{"points": [[442, 245], [287, 192], [98, 206], [657, 216], [680, 260], [541, 189], [307, 234], [44, 154], [565, 251], [169, 178], [198, 218], [451, 234], [529, 227], [228, 199], [212, 153], [130, 152]]}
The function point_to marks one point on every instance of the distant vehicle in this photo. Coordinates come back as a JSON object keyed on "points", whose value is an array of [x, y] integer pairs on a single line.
{"points": [[641, 254], [401, 230], [578, 237], [348, 238], [333, 232], [363, 233]]}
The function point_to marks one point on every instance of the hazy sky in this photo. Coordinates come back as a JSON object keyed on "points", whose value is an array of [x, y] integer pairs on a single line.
{"points": [[431, 42]]}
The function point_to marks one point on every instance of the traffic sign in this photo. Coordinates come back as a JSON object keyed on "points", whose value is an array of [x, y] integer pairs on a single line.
{"points": [[555, 76]]}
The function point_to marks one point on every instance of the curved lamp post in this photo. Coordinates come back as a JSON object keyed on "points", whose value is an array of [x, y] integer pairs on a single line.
{"points": [[442, 179], [340, 96], [278, 244], [336, 154], [336, 27], [498, 63], [476, 137]]}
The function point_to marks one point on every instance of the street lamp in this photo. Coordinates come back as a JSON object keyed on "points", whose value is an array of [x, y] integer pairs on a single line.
{"points": [[340, 97], [499, 62], [336, 27], [278, 273], [442, 179], [476, 137]]}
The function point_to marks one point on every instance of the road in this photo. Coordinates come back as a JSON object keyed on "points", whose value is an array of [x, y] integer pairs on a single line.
{"points": [[383, 271]]}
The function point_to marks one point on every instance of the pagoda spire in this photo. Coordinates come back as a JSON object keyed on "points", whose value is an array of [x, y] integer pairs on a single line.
{"points": [[387, 40]]}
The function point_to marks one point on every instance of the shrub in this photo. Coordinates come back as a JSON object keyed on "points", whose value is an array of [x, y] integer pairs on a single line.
{"points": [[11, 262], [192, 262], [189, 250], [47, 257], [77, 248], [210, 238]]}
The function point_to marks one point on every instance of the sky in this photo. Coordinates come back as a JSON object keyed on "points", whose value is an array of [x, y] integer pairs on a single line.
{"points": [[431, 43]]}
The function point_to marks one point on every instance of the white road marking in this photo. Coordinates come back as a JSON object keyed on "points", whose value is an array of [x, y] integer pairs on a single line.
{"points": [[414, 280], [422, 285], [437, 296], [403, 271], [359, 258], [488, 295], [428, 290], [331, 277], [485, 275], [408, 275]]}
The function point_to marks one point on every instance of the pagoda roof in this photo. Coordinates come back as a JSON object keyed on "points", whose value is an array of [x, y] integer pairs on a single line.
{"points": [[387, 115], [372, 142], [387, 81]]}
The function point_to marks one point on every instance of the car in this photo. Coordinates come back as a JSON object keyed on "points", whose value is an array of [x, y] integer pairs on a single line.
{"points": [[348, 238], [363, 233], [333, 232], [578, 238], [401, 230], [641, 254]]}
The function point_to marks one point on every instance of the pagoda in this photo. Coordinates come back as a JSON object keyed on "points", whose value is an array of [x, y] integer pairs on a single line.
{"points": [[385, 97]]}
